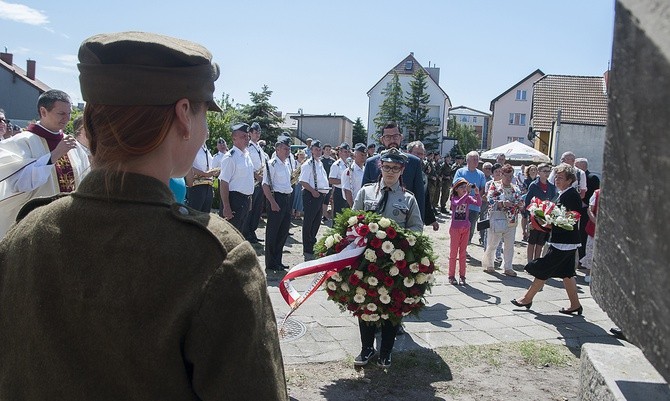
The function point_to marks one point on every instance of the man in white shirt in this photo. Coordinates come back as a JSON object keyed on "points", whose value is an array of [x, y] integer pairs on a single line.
{"points": [[580, 183], [41, 160], [352, 177], [335, 177], [258, 158], [236, 181], [200, 193], [222, 148], [314, 182]]}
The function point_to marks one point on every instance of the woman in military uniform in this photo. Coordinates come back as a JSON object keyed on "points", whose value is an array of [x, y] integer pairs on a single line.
{"points": [[116, 291], [388, 198]]}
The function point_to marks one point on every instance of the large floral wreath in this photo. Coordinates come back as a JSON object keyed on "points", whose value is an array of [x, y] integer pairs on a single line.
{"points": [[390, 278]]}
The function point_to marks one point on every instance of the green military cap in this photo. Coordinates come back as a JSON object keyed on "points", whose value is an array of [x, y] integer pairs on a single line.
{"points": [[393, 155], [145, 69]]}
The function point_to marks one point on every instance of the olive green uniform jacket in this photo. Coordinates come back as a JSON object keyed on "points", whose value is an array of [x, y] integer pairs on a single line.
{"points": [[126, 295]]}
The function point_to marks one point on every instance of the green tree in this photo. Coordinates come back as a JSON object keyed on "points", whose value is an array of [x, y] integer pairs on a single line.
{"points": [[219, 123], [416, 118], [69, 128], [359, 134], [465, 136], [391, 107], [268, 117]]}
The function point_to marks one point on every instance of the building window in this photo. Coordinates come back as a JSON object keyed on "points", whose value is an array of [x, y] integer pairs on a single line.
{"points": [[520, 94], [517, 119], [408, 65], [511, 139], [474, 119], [464, 119]]}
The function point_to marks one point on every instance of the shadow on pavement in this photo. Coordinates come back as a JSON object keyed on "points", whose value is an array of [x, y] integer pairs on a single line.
{"points": [[435, 314], [478, 294]]}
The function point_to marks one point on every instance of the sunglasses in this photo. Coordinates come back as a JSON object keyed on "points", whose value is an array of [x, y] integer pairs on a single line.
{"points": [[4, 120]]}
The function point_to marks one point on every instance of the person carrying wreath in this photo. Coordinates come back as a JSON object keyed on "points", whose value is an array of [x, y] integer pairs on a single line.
{"points": [[388, 198]]}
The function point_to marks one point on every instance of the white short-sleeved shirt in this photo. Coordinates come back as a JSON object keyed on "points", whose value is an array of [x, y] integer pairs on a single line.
{"points": [[352, 180], [257, 155], [279, 178], [336, 170], [307, 175], [238, 171], [203, 160]]}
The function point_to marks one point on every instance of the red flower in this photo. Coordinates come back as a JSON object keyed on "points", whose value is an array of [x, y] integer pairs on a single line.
{"points": [[391, 232], [330, 292], [423, 268], [354, 280], [404, 244], [405, 272], [398, 295], [415, 290], [352, 307], [373, 268], [388, 281], [361, 217], [338, 248], [372, 292], [380, 253], [376, 243], [343, 299], [363, 230], [380, 275], [401, 264]]}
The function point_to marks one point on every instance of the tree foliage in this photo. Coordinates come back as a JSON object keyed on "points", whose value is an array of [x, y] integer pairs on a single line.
{"points": [[416, 101], [220, 124], [391, 108], [266, 114], [465, 136], [359, 134]]}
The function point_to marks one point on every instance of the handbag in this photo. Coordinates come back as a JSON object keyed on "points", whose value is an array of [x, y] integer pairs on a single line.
{"points": [[483, 224], [498, 221]]}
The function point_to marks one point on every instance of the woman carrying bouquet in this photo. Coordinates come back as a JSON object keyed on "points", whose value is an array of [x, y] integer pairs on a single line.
{"points": [[559, 262], [388, 198], [503, 196], [541, 189]]}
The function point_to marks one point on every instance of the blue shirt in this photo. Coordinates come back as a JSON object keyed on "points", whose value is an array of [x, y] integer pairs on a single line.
{"points": [[178, 187], [476, 177]]}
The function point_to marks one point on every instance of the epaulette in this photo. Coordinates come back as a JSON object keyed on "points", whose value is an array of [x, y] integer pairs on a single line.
{"points": [[35, 203], [231, 152], [273, 162]]}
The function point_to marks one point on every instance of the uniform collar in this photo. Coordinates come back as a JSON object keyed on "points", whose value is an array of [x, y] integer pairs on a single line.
{"points": [[129, 187]]}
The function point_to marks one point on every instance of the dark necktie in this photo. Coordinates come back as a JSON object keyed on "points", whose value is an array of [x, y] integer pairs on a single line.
{"points": [[382, 203]]}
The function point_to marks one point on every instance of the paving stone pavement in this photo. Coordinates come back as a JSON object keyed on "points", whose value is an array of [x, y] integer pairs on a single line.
{"points": [[475, 314]]}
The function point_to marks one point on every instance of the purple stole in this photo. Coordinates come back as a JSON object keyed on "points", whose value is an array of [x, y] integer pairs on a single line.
{"points": [[63, 166]]}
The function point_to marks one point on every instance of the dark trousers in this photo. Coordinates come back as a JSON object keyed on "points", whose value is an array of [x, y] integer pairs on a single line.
{"points": [[339, 203], [257, 201], [473, 217], [582, 231], [239, 203], [312, 220], [388, 329], [200, 197], [276, 231]]}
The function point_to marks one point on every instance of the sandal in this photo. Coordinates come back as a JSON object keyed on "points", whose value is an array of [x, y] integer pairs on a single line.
{"points": [[452, 281], [510, 273]]}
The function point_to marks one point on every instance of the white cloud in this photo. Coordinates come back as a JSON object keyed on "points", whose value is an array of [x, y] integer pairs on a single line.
{"points": [[68, 59], [63, 70], [22, 13]]}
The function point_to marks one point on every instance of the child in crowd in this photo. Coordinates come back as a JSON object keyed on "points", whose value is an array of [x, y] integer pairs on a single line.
{"points": [[460, 226]]}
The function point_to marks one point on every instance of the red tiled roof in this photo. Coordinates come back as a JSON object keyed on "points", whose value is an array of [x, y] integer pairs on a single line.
{"points": [[582, 100]]}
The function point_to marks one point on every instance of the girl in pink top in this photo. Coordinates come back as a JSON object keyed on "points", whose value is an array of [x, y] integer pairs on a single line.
{"points": [[459, 231]]}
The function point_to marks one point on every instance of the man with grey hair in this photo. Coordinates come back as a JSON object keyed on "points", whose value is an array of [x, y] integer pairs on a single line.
{"points": [[592, 183], [475, 177], [580, 183]]}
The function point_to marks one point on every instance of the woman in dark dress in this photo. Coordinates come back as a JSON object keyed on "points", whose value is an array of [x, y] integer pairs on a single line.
{"points": [[559, 262]]}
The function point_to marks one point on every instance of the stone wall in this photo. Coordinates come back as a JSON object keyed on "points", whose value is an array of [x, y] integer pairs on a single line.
{"points": [[631, 274]]}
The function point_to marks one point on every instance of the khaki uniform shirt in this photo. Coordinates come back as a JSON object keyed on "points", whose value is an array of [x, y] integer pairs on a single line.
{"points": [[400, 206], [124, 294]]}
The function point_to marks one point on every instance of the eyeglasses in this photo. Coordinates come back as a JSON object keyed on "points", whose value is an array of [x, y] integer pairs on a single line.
{"points": [[388, 169], [392, 136], [4, 120], [544, 171]]}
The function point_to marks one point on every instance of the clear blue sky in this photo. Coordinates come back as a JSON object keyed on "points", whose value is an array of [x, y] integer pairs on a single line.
{"points": [[324, 56]]}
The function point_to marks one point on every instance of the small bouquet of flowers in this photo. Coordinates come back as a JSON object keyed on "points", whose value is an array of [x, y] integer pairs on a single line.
{"points": [[547, 213], [389, 280]]}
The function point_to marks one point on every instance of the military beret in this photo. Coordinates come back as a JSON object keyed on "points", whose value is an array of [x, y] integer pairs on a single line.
{"points": [[255, 127], [145, 69], [240, 127], [360, 147], [315, 144], [283, 139], [393, 155], [344, 146]]}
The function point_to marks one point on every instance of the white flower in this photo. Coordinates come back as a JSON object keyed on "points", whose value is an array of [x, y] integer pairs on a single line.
{"points": [[388, 247], [370, 255], [352, 220], [374, 227], [405, 313], [409, 300], [430, 279], [421, 278], [398, 254], [330, 241], [411, 240], [332, 286], [385, 299], [408, 281], [359, 299], [372, 307], [345, 287], [381, 234], [385, 316], [360, 291], [372, 280], [383, 291], [359, 274], [414, 267], [384, 222], [394, 271], [336, 277], [365, 318], [374, 317], [425, 261]]}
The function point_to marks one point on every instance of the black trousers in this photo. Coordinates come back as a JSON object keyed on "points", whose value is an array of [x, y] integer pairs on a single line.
{"points": [[276, 231], [257, 201], [200, 197], [389, 331], [239, 203], [339, 203], [582, 231], [312, 220]]}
